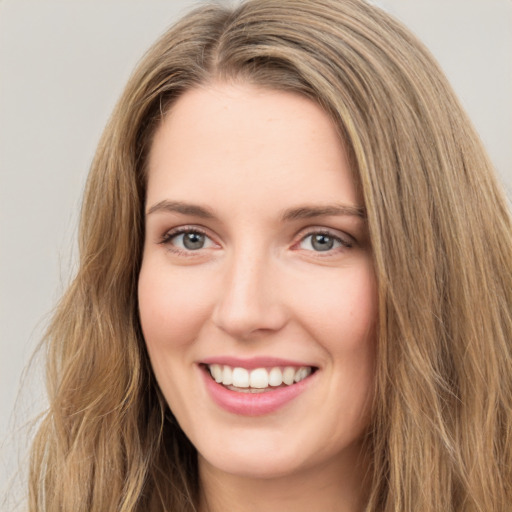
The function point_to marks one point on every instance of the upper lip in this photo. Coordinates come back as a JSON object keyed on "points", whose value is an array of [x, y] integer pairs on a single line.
{"points": [[254, 362]]}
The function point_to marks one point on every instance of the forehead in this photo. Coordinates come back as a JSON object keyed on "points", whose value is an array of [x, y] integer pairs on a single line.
{"points": [[243, 145]]}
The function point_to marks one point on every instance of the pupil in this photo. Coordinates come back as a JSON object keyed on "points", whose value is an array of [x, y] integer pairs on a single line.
{"points": [[322, 242], [193, 240]]}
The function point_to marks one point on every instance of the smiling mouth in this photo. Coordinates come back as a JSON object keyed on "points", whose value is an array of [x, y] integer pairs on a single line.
{"points": [[258, 380]]}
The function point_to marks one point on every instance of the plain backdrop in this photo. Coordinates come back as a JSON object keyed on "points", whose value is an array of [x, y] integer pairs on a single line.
{"points": [[64, 63]]}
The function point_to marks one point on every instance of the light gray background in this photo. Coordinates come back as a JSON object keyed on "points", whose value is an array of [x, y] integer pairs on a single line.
{"points": [[62, 66]]}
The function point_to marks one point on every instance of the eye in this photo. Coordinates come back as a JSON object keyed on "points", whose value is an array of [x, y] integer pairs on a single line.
{"points": [[188, 240], [323, 242]]}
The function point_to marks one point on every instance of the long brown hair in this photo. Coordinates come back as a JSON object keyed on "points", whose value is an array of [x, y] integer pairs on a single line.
{"points": [[441, 432]]}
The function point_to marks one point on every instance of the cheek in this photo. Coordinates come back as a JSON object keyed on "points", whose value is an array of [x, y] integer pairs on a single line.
{"points": [[342, 309], [172, 307], [172, 312]]}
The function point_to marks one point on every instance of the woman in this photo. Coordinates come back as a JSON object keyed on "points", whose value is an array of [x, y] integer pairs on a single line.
{"points": [[294, 288]]}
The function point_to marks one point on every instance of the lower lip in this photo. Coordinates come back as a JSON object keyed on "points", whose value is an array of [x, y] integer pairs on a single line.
{"points": [[252, 404]]}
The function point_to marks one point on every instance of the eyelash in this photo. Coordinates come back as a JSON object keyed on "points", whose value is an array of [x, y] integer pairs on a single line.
{"points": [[169, 235], [167, 238], [344, 243]]}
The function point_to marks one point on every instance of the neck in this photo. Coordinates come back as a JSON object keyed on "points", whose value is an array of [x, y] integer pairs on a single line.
{"points": [[336, 486]]}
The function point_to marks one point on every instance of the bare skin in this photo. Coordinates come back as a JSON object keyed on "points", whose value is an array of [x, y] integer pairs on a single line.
{"points": [[335, 488], [257, 250]]}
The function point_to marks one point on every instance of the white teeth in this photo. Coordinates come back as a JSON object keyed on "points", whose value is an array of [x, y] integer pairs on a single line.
{"points": [[240, 378], [216, 371], [227, 375], [289, 375], [302, 374], [275, 377], [259, 378]]}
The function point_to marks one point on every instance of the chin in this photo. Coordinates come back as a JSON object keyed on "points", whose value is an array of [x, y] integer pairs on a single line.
{"points": [[253, 466]]}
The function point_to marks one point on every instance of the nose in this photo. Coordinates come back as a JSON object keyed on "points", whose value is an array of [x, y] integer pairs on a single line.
{"points": [[250, 302]]}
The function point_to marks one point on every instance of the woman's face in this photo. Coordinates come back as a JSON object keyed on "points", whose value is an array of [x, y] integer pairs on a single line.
{"points": [[257, 269]]}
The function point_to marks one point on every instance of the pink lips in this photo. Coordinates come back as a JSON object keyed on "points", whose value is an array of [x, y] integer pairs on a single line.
{"points": [[252, 404]]}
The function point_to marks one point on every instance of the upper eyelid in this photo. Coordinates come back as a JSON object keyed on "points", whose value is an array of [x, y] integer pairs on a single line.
{"points": [[335, 233], [186, 229], [170, 234], [342, 244], [166, 240], [303, 233]]}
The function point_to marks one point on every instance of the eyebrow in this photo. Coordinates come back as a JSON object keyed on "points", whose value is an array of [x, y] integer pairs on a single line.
{"points": [[181, 207], [309, 212], [292, 214]]}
